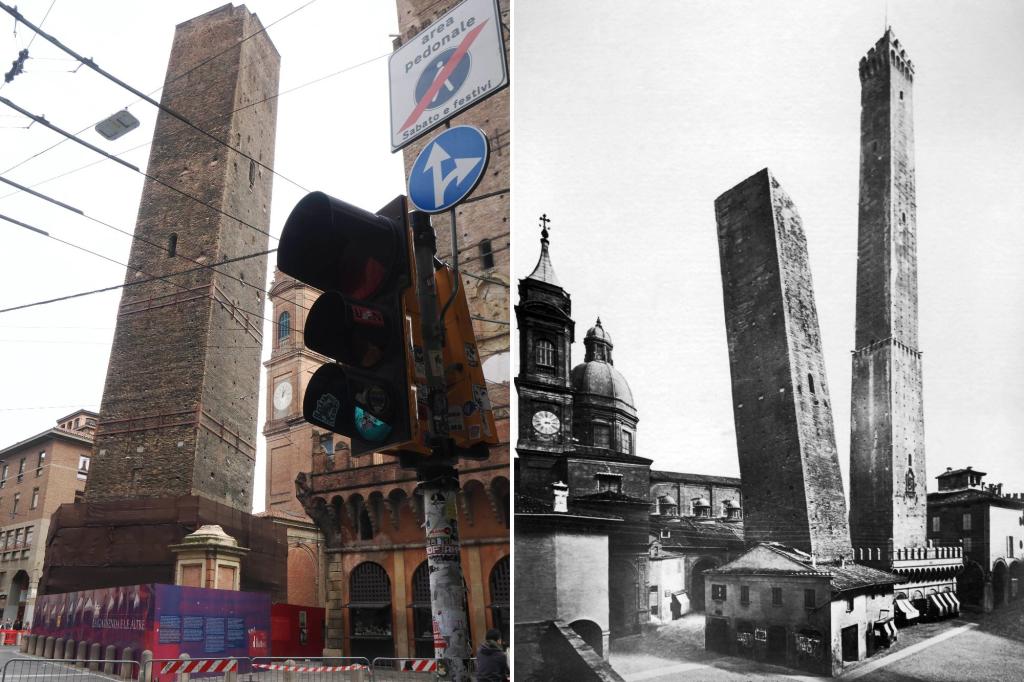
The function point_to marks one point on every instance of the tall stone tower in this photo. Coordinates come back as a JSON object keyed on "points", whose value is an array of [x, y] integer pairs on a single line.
{"points": [[792, 489], [178, 415], [176, 441], [887, 468]]}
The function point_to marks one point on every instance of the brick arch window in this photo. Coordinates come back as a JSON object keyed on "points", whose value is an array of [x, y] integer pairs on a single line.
{"points": [[545, 354], [370, 611], [284, 325], [172, 245], [501, 596]]}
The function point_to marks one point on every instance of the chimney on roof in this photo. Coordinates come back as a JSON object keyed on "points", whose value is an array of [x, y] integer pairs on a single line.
{"points": [[950, 468], [561, 491], [814, 561]]}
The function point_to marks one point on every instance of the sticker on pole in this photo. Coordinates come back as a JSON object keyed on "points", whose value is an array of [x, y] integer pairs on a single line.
{"points": [[453, 64], [448, 169]]}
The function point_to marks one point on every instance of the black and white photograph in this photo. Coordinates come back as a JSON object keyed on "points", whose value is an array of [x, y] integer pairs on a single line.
{"points": [[768, 300]]}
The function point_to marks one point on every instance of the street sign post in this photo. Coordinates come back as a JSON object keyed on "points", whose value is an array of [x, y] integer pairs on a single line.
{"points": [[448, 169], [453, 64]]}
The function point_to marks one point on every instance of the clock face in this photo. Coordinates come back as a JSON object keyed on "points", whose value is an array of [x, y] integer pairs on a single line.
{"points": [[545, 423], [283, 395]]}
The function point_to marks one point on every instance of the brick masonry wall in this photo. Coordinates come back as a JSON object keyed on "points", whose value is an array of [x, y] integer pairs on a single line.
{"points": [[179, 407], [887, 458], [792, 491]]}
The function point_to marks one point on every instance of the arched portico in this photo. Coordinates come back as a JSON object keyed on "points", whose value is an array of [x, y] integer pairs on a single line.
{"points": [[697, 581]]}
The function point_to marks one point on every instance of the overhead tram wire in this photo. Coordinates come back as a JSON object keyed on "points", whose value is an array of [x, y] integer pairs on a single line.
{"points": [[132, 235], [148, 278], [42, 121], [138, 93], [204, 122], [180, 75], [211, 266]]}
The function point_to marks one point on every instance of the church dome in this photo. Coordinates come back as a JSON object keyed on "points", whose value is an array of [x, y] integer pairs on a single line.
{"points": [[601, 380], [597, 380]]}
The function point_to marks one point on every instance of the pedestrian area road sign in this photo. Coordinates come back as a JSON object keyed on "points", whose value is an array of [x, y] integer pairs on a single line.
{"points": [[450, 66], [448, 169]]}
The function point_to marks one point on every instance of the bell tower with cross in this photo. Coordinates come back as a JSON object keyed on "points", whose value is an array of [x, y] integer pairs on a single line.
{"points": [[544, 383]]}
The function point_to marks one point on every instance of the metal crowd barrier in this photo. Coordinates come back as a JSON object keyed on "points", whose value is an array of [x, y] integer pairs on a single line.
{"points": [[185, 668], [330, 669], [67, 670], [261, 669], [412, 669]]}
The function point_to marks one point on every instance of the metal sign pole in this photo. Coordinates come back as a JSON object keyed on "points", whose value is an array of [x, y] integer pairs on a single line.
{"points": [[439, 479]]}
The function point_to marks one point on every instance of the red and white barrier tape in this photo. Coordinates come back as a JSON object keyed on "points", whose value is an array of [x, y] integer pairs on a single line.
{"points": [[309, 668], [210, 666], [420, 665]]}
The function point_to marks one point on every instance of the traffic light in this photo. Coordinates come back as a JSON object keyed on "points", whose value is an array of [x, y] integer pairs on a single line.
{"points": [[366, 320], [470, 416]]}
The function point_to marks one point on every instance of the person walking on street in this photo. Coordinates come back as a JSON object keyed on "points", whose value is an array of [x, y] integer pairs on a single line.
{"points": [[491, 661]]}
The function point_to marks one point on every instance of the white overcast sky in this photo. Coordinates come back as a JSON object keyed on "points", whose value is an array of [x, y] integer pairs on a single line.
{"points": [[631, 118], [332, 136]]}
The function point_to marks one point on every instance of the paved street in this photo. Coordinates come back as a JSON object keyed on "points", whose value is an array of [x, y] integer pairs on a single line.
{"points": [[15, 665], [973, 647]]}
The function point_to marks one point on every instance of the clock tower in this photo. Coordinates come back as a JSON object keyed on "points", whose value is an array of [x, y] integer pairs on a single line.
{"points": [[544, 383], [291, 441]]}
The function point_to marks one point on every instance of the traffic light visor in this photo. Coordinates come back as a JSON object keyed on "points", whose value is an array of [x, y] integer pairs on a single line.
{"points": [[335, 246]]}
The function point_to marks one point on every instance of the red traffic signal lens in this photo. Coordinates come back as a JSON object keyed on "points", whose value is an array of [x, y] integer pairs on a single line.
{"points": [[335, 246]]}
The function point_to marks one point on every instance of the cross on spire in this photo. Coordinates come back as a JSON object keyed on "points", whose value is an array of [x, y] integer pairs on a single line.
{"points": [[544, 220]]}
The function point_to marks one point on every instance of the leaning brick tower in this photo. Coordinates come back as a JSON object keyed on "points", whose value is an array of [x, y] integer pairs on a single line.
{"points": [[887, 467], [792, 489], [175, 445], [178, 415]]}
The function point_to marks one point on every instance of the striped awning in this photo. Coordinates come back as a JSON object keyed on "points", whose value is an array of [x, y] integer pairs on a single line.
{"points": [[904, 607], [938, 605], [886, 628], [951, 602]]}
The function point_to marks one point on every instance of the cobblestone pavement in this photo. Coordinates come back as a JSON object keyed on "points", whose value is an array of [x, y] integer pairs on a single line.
{"points": [[972, 647]]}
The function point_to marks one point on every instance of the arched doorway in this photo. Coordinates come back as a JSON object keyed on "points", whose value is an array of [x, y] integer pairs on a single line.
{"points": [[697, 582], [623, 589], [970, 584], [1000, 577], [17, 597], [590, 632], [501, 597], [1016, 581], [370, 611]]}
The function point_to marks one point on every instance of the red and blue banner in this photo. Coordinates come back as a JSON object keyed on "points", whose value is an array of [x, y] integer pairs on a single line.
{"points": [[169, 620]]}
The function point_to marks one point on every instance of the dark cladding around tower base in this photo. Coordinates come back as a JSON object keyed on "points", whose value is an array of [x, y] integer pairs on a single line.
{"points": [[126, 542]]}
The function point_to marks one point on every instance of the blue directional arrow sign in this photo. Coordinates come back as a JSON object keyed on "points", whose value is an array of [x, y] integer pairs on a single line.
{"points": [[448, 169]]}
